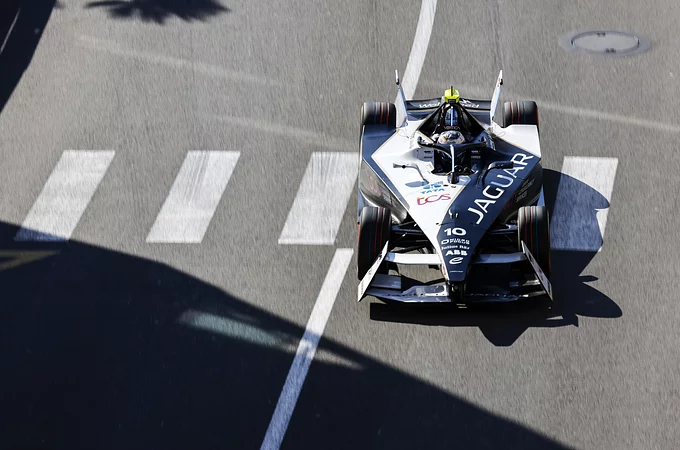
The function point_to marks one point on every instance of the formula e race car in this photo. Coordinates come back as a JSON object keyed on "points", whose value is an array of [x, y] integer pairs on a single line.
{"points": [[443, 185]]}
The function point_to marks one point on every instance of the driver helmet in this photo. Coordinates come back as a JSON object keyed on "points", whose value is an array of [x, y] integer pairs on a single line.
{"points": [[451, 95], [451, 137], [451, 119]]}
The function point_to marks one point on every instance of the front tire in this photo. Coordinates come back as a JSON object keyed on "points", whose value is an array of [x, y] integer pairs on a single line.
{"points": [[375, 225], [533, 227]]}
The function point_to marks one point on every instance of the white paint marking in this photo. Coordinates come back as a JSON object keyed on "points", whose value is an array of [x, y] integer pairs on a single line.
{"points": [[297, 134], [237, 328], [421, 41], [14, 22], [65, 196], [194, 66], [601, 115], [479, 92], [582, 203], [195, 194], [306, 350], [321, 200]]}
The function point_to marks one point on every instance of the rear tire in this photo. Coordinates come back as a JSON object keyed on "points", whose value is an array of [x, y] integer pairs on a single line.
{"points": [[375, 225], [379, 113], [533, 227], [520, 113]]}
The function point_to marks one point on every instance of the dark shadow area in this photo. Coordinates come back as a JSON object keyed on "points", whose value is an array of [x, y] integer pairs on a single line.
{"points": [[160, 10], [103, 350], [503, 324], [21, 26]]}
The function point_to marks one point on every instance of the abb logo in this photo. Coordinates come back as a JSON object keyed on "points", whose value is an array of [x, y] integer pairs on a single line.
{"points": [[433, 198]]}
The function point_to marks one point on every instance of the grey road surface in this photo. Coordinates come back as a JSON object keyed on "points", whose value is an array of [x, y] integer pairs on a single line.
{"points": [[110, 341]]}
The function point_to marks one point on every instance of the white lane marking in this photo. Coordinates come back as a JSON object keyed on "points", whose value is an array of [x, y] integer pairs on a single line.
{"points": [[235, 328], [582, 203], [477, 91], [421, 41], [193, 199], [65, 196], [306, 349], [11, 28], [194, 66], [300, 134], [601, 115], [321, 199]]}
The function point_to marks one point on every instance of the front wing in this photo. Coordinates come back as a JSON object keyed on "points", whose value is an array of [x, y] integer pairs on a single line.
{"points": [[390, 287]]}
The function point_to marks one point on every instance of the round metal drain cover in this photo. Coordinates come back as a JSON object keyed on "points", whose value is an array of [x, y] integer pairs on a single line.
{"points": [[605, 42]]}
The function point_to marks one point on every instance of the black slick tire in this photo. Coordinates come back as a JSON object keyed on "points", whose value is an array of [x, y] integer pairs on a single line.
{"points": [[520, 113], [378, 113], [533, 227], [375, 225]]}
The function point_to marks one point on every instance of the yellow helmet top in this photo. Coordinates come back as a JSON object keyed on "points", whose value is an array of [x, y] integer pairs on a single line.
{"points": [[451, 95]]}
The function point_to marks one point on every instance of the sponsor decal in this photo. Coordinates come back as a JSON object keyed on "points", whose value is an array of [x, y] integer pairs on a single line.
{"points": [[432, 188], [454, 241], [456, 252], [468, 103], [523, 190], [432, 198], [457, 260], [498, 186], [428, 105]]}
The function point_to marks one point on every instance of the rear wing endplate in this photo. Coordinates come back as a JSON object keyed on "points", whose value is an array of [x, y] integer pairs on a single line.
{"points": [[400, 102], [496, 96]]}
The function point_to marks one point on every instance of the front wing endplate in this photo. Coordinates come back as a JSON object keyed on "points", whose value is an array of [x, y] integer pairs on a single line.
{"points": [[366, 281], [539, 273]]}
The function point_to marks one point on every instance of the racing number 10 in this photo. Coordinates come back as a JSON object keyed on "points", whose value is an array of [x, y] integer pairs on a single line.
{"points": [[455, 231]]}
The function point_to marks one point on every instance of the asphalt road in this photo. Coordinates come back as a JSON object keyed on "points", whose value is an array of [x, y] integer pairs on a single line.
{"points": [[114, 342]]}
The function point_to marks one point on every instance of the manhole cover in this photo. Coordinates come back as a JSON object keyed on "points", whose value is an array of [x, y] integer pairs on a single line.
{"points": [[605, 42]]}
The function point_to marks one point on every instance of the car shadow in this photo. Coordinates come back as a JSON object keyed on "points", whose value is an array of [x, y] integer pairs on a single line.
{"points": [[159, 11], [102, 350], [503, 324], [22, 23]]}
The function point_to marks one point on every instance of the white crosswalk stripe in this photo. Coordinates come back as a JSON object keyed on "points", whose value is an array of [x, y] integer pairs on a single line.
{"points": [[321, 199], [583, 196], [194, 196], [578, 220], [65, 196]]}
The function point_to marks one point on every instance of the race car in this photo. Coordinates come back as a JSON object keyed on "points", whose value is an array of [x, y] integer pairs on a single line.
{"points": [[443, 185]]}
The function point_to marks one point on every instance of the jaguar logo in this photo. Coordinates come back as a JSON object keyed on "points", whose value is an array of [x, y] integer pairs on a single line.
{"points": [[497, 188]]}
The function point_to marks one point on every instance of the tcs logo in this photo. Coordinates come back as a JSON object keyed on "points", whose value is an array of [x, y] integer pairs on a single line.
{"points": [[432, 198]]}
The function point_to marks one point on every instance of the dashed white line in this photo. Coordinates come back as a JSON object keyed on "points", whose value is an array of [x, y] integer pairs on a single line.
{"points": [[194, 196], [306, 350], [421, 41], [65, 196], [583, 196], [321, 199]]}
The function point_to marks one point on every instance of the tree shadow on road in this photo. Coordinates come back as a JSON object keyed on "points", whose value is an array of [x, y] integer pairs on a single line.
{"points": [[503, 324], [21, 26], [107, 350], [160, 10]]}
